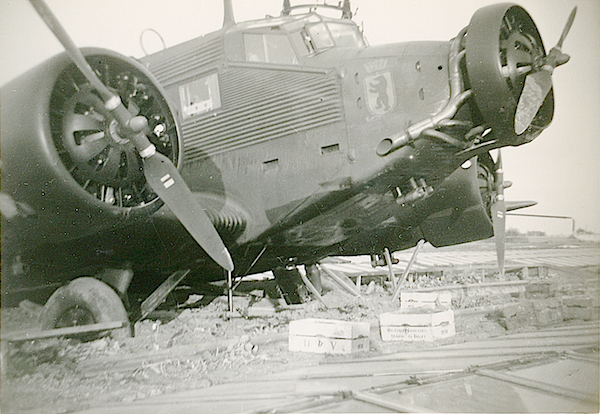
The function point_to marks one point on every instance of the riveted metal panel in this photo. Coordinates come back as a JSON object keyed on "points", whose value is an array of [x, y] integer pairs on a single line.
{"points": [[261, 104], [192, 60]]}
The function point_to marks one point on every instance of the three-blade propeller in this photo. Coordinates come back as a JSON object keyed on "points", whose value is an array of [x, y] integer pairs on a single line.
{"points": [[162, 176], [539, 83], [498, 210]]}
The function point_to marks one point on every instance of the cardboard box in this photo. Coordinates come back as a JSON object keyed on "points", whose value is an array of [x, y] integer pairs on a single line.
{"points": [[326, 336], [429, 300], [410, 326]]}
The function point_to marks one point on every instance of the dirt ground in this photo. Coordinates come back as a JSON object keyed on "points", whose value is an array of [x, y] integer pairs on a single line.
{"points": [[188, 347]]}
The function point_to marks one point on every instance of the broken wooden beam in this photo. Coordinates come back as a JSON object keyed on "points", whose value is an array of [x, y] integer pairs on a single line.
{"points": [[30, 335], [159, 295], [342, 280]]}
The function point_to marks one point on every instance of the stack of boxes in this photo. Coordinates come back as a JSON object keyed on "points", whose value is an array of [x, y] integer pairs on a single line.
{"points": [[421, 317]]}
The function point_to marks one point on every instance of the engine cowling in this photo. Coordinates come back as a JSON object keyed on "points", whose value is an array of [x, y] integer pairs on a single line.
{"points": [[503, 46], [63, 156], [461, 205]]}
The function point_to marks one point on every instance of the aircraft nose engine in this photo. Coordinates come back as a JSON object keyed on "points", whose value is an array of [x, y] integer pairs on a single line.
{"points": [[503, 46], [64, 152], [89, 140]]}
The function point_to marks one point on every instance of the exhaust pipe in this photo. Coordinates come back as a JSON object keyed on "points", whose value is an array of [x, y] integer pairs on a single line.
{"points": [[457, 98]]}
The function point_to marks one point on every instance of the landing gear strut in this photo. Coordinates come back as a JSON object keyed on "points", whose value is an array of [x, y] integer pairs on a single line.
{"points": [[291, 285]]}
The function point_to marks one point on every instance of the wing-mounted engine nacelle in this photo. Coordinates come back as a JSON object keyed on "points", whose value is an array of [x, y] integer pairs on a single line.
{"points": [[489, 63], [63, 154], [466, 217], [503, 46]]}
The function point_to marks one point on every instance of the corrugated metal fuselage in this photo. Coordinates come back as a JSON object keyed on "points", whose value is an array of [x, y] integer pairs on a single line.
{"points": [[282, 157], [291, 148]]}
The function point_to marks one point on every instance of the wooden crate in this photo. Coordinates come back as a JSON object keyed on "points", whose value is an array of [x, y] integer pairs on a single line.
{"points": [[326, 336], [409, 326]]}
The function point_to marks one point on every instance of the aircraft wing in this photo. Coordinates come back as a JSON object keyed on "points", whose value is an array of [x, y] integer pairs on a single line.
{"points": [[516, 205]]}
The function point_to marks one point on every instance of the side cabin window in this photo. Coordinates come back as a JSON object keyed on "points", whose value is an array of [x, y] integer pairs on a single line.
{"points": [[200, 95], [269, 48]]}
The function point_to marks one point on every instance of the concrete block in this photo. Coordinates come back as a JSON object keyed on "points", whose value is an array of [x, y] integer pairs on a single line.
{"points": [[519, 315], [575, 312], [517, 309], [549, 316], [552, 303], [579, 301], [537, 290]]}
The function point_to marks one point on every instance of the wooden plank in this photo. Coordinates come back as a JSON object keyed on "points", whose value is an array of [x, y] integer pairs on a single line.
{"points": [[388, 260], [127, 362], [157, 297], [19, 336], [342, 280], [313, 289], [405, 274]]}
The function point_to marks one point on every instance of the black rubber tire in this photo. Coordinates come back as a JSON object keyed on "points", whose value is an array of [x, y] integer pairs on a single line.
{"points": [[90, 298]]}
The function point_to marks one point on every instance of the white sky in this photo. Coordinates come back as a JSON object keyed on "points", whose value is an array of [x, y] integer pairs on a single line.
{"points": [[560, 169]]}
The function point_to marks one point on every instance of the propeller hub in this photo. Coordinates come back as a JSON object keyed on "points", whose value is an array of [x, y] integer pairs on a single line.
{"points": [[114, 132]]}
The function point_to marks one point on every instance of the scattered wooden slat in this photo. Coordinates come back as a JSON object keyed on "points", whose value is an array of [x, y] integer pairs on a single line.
{"points": [[122, 363], [157, 297], [313, 289], [342, 280], [388, 260], [28, 335], [405, 274]]}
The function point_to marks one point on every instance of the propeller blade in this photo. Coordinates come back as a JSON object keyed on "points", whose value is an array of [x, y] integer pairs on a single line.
{"points": [[499, 223], [498, 210], [167, 183], [567, 27], [538, 84], [161, 174]]}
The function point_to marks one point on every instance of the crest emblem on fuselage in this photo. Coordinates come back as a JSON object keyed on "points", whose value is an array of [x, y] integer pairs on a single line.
{"points": [[380, 93]]}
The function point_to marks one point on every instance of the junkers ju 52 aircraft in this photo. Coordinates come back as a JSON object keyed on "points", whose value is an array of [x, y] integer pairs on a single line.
{"points": [[265, 145]]}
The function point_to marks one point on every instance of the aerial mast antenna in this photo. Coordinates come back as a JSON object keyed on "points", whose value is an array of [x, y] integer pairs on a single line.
{"points": [[228, 18]]}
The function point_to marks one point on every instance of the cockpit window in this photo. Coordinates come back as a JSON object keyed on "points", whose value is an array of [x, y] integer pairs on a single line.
{"points": [[320, 36], [271, 48], [345, 35], [285, 42]]}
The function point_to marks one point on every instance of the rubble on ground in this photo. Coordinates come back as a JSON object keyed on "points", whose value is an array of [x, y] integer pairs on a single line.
{"points": [[183, 347]]}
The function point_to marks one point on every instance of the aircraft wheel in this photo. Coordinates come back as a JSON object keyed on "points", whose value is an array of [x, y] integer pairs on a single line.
{"points": [[291, 285], [85, 301], [503, 46]]}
